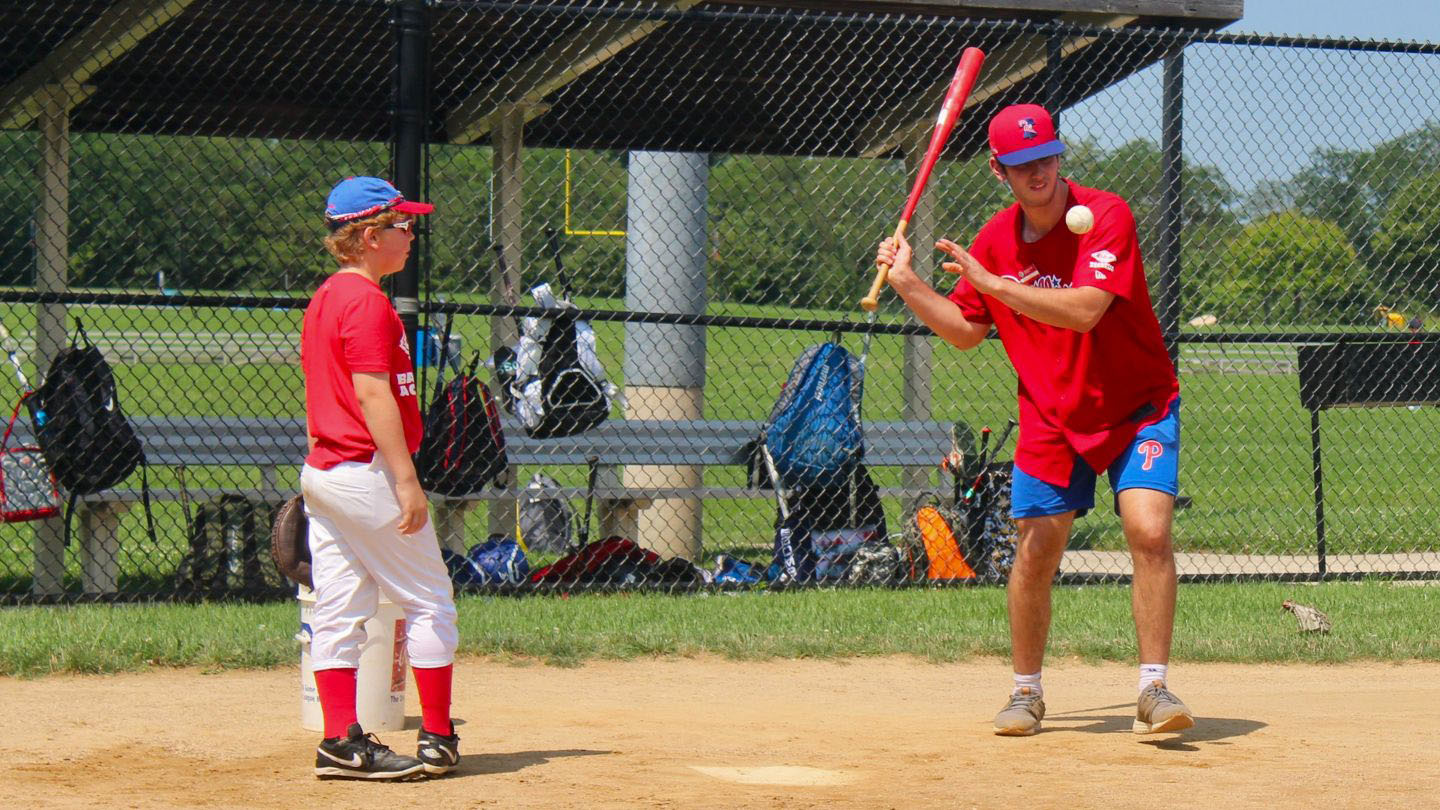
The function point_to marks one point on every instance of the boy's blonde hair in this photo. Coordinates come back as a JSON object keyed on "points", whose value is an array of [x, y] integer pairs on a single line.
{"points": [[345, 243]]}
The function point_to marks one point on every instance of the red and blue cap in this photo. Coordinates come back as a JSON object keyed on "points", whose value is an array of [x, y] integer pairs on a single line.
{"points": [[356, 198], [1021, 133]]}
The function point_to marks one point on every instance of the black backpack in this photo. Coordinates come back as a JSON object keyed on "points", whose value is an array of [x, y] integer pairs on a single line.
{"points": [[463, 448], [82, 429], [552, 379]]}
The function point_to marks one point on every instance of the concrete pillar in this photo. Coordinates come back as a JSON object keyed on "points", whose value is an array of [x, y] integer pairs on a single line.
{"points": [[665, 253], [508, 177], [671, 527], [52, 258], [618, 517], [449, 517], [99, 530]]}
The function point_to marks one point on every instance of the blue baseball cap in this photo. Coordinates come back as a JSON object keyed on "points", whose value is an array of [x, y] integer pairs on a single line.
{"points": [[361, 197]]}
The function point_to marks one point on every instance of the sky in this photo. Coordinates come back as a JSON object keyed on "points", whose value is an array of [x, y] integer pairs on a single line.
{"points": [[1258, 114], [1378, 19]]}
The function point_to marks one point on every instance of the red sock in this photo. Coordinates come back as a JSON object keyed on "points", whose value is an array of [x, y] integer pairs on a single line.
{"points": [[434, 687], [337, 699]]}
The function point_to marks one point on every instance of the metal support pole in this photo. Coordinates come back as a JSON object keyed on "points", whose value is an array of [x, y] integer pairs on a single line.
{"points": [[666, 201], [1172, 201], [410, 113], [52, 259], [1319, 488]]}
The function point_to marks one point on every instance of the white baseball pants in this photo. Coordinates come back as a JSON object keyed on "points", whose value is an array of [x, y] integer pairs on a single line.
{"points": [[356, 552]]}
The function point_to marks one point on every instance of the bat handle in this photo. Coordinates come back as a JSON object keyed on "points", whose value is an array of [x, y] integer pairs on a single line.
{"points": [[882, 273]]}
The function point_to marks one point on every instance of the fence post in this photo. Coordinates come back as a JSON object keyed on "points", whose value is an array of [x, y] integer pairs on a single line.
{"points": [[508, 195], [52, 255], [1318, 475], [407, 148], [665, 364], [1172, 203]]}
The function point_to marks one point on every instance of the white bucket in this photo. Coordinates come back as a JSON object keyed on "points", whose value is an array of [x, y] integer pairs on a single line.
{"points": [[380, 682]]}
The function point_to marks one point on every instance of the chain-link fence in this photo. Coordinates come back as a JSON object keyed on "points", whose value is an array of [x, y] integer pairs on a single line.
{"points": [[707, 185]]}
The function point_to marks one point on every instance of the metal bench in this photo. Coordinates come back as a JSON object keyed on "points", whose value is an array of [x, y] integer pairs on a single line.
{"points": [[272, 444]]}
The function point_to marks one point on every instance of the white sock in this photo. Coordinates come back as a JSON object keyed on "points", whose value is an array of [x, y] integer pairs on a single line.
{"points": [[1032, 681], [1149, 673]]}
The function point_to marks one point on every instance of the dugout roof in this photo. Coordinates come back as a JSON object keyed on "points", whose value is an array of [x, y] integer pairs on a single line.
{"points": [[816, 77]]}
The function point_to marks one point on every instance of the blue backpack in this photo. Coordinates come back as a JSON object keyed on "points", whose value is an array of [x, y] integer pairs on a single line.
{"points": [[497, 561], [813, 434]]}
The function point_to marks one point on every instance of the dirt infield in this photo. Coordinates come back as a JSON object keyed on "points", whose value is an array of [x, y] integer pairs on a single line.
{"points": [[886, 733]]}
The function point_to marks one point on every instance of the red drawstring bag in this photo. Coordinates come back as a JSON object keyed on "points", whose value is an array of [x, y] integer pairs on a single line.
{"points": [[27, 486]]}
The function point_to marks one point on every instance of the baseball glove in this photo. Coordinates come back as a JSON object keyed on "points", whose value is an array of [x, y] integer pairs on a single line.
{"points": [[289, 543]]}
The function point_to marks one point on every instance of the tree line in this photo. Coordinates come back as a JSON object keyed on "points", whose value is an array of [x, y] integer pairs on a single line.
{"points": [[1353, 229]]}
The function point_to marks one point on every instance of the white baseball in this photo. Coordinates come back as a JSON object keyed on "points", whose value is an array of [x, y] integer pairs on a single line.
{"points": [[1079, 219]]}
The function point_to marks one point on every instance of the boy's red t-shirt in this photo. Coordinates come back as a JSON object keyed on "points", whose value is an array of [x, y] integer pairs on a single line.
{"points": [[351, 327], [1079, 393]]}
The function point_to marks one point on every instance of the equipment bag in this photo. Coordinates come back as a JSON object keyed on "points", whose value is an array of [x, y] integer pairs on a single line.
{"points": [[991, 532], [498, 561], [824, 526], [463, 448], [974, 540], [82, 429], [229, 539], [813, 434], [553, 380], [27, 487], [544, 517], [876, 562], [612, 561], [939, 531]]}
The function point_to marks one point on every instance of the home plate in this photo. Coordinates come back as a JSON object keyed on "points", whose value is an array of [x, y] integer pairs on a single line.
{"points": [[791, 775]]}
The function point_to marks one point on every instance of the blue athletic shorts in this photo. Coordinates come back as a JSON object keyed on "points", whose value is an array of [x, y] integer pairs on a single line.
{"points": [[1152, 461]]}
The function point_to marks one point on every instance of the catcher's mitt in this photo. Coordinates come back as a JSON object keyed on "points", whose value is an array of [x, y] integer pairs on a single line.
{"points": [[289, 543]]}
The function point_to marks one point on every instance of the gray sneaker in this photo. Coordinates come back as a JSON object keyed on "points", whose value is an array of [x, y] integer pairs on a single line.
{"points": [[1021, 716], [1159, 711]]}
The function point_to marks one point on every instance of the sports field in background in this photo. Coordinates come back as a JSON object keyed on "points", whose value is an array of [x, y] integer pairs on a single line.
{"points": [[1246, 438]]}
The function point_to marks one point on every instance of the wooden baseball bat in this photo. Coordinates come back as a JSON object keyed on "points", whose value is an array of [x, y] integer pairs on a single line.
{"points": [[965, 74]]}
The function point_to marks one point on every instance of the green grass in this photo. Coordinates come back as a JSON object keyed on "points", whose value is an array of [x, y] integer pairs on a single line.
{"points": [[1247, 461], [1240, 623]]}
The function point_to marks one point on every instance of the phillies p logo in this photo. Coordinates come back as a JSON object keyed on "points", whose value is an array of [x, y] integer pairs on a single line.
{"points": [[1151, 450]]}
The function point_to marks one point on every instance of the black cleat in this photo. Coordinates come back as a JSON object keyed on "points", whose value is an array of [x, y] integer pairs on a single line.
{"points": [[438, 752], [360, 756]]}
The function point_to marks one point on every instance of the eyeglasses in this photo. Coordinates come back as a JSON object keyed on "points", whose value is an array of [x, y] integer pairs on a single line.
{"points": [[402, 225]]}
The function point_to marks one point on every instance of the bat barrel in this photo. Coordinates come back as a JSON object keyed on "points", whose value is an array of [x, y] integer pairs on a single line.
{"points": [[966, 72]]}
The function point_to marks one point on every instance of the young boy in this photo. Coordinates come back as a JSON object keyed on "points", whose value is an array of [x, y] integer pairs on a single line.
{"points": [[369, 526]]}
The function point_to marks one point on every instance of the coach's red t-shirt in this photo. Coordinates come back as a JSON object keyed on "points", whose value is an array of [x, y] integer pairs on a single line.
{"points": [[350, 327], [1087, 393]]}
